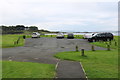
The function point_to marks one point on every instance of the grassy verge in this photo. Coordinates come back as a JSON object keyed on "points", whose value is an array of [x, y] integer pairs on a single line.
{"points": [[97, 64], [113, 44], [12, 69], [48, 36], [10, 40], [76, 36]]}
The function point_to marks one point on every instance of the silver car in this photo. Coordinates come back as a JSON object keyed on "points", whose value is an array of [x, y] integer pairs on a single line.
{"points": [[35, 35], [60, 36]]}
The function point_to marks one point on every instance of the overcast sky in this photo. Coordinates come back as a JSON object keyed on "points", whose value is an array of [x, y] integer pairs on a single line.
{"points": [[61, 15]]}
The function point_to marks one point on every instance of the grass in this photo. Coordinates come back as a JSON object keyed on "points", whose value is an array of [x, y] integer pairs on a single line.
{"points": [[12, 69], [9, 40], [54, 36], [112, 45], [97, 64], [76, 36]]}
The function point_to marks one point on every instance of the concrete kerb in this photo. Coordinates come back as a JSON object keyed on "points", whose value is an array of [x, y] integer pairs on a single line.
{"points": [[56, 66], [84, 71]]}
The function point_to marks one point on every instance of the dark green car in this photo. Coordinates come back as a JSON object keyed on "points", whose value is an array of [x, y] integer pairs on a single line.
{"points": [[70, 36]]}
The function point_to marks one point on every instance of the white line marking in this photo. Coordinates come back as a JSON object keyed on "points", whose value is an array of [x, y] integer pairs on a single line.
{"points": [[56, 68], [84, 71]]}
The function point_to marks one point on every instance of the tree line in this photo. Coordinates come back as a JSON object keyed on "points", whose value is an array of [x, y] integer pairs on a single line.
{"points": [[18, 29]]}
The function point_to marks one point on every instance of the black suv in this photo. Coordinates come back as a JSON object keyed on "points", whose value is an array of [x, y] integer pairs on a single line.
{"points": [[70, 36], [101, 37]]}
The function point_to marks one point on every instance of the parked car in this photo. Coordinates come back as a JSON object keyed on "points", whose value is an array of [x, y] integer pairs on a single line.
{"points": [[60, 36], [35, 35], [101, 37], [70, 36], [88, 35]]}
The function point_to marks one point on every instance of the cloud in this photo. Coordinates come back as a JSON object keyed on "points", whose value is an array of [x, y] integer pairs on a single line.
{"points": [[60, 15]]}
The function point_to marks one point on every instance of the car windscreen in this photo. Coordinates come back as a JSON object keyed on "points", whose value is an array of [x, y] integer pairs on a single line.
{"points": [[70, 34], [34, 34]]}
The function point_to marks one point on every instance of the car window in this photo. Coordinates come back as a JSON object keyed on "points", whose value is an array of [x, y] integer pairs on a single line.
{"points": [[34, 34]]}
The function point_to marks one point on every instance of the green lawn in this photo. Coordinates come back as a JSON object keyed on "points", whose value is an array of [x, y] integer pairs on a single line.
{"points": [[12, 69], [97, 64], [10, 40], [48, 36], [112, 44]]}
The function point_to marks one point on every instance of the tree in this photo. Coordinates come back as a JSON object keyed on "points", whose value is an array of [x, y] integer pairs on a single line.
{"points": [[20, 27], [33, 28]]}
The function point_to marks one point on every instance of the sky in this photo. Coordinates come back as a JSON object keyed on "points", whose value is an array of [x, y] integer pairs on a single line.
{"points": [[61, 15]]}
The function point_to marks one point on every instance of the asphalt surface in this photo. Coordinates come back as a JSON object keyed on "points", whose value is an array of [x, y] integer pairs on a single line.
{"points": [[42, 50], [71, 69]]}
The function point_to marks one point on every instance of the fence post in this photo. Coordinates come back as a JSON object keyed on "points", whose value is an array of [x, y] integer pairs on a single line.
{"points": [[110, 42], [93, 48], [115, 43], [18, 40], [108, 47], [77, 48], [82, 52], [14, 42]]}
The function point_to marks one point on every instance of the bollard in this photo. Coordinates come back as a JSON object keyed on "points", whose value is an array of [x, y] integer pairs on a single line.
{"points": [[82, 52], [115, 43], [24, 36], [93, 48], [77, 49], [108, 47], [18, 40], [110, 42], [15, 43]]}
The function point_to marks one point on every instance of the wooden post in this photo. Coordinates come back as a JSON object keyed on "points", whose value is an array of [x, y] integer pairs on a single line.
{"points": [[18, 40], [93, 48], [24, 36], [82, 52], [14, 42], [110, 42], [77, 48], [108, 47], [115, 43]]}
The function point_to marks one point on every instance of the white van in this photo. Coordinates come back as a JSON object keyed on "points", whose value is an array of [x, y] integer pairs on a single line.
{"points": [[35, 35]]}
